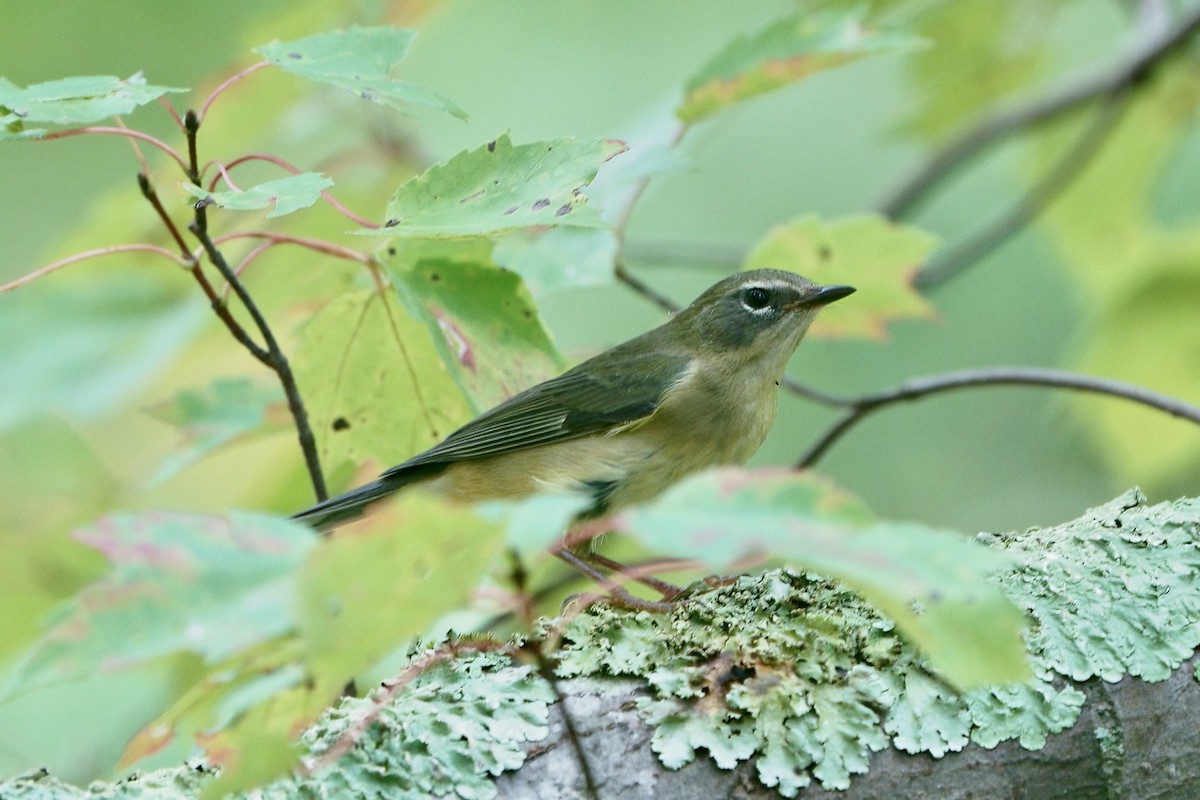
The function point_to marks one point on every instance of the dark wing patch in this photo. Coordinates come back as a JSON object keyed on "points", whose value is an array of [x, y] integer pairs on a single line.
{"points": [[591, 398]]}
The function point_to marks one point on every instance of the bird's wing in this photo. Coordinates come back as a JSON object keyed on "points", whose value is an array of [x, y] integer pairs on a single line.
{"points": [[591, 398]]}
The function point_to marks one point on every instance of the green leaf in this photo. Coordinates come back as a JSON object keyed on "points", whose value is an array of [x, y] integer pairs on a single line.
{"points": [[785, 52], [932, 583], [981, 54], [374, 382], [559, 258], [359, 60], [282, 195], [72, 101], [179, 582], [82, 347], [483, 321], [876, 256], [499, 187], [384, 580], [225, 411], [52, 481]]}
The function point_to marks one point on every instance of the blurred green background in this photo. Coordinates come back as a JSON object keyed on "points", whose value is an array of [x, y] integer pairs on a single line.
{"points": [[987, 459]]}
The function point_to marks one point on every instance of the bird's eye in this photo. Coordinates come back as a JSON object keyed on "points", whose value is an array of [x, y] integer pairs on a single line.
{"points": [[756, 298]]}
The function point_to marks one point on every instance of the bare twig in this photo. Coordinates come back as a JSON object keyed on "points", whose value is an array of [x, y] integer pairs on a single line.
{"points": [[274, 358], [229, 82], [77, 257], [997, 126], [116, 131], [1011, 376], [1071, 164]]}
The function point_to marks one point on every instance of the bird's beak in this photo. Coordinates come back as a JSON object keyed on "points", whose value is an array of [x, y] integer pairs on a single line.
{"points": [[824, 295]]}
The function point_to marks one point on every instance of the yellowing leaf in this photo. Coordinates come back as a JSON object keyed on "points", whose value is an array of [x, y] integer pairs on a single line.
{"points": [[877, 257], [1104, 221], [1150, 337], [980, 53], [382, 581], [785, 52], [374, 383]]}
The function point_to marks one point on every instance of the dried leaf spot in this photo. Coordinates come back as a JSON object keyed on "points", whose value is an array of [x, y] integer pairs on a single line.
{"points": [[472, 196], [341, 424], [295, 55], [367, 95], [492, 146], [435, 277], [510, 210], [540, 204], [824, 252], [391, 223], [564, 210], [391, 251]]}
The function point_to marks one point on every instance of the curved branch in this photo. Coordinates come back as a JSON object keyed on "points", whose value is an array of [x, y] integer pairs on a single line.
{"points": [[999, 376], [116, 131], [1061, 175], [86, 254], [232, 79], [1000, 124]]}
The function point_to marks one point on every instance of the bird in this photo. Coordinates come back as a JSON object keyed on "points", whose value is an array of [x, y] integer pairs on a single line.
{"points": [[698, 391]]}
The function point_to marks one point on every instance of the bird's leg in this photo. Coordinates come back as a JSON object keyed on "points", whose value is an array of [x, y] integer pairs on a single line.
{"points": [[669, 591], [617, 595], [579, 541]]}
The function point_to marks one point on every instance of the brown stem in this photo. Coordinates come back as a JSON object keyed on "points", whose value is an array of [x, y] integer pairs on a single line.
{"points": [[998, 376]]}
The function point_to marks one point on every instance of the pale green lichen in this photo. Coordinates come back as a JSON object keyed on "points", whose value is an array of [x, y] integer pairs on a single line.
{"points": [[809, 679], [445, 735]]}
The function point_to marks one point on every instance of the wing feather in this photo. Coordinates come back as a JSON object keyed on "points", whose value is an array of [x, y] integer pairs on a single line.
{"points": [[592, 398]]}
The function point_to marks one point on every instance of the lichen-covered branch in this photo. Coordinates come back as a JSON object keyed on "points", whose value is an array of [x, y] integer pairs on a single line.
{"points": [[786, 684]]}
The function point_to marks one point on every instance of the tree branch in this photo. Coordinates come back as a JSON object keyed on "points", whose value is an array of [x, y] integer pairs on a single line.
{"points": [[1000, 376], [943, 266], [1004, 122]]}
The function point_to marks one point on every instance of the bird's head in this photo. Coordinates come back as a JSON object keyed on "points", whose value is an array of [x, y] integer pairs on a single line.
{"points": [[759, 314]]}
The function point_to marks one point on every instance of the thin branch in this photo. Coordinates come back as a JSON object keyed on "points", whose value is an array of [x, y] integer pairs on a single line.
{"points": [[1000, 124], [294, 170], [237, 76], [275, 359], [151, 195], [316, 245], [1071, 164], [215, 301], [998, 376], [77, 257], [115, 131], [191, 127], [644, 289], [691, 254]]}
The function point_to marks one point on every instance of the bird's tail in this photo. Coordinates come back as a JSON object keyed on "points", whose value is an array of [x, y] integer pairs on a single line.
{"points": [[344, 507]]}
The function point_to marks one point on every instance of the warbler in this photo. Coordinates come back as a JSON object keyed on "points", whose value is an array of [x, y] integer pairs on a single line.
{"points": [[698, 391]]}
